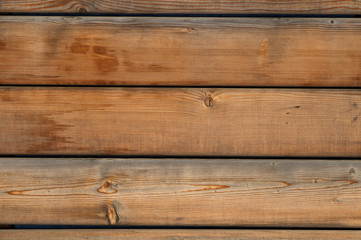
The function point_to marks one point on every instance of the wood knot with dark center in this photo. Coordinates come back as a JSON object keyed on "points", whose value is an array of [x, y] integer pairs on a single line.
{"points": [[107, 188], [208, 101], [82, 10]]}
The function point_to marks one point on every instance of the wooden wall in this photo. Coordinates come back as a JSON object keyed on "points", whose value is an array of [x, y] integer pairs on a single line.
{"points": [[180, 119]]}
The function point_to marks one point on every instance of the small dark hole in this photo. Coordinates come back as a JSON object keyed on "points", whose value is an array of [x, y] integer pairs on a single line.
{"points": [[332, 21]]}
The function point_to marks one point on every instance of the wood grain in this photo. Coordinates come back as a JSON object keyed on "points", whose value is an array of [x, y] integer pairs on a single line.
{"points": [[181, 192], [180, 51], [180, 121], [185, 6], [114, 234]]}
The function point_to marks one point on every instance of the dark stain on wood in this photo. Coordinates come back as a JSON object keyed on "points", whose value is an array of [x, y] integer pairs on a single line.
{"points": [[53, 41], [104, 61], [68, 68], [79, 47], [356, 80], [106, 64], [100, 50], [50, 133], [7, 98], [128, 63], [2, 45]]}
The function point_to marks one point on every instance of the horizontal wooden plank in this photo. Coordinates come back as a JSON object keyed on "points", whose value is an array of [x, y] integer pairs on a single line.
{"points": [[180, 51], [113, 234], [184, 6], [180, 121], [181, 192]]}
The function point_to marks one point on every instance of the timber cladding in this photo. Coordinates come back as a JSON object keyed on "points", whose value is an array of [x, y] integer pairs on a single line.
{"points": [[180, 119], [173, 51], [181, 192]]}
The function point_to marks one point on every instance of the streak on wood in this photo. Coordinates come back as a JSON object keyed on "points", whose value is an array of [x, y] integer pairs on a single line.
{"points": [[184, 6], [180, 121], [180, 51], [115, 234], [181, 192]]}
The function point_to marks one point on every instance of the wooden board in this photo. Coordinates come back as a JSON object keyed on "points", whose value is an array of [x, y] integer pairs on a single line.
{"points": [[115, 234], [180, 121], [181, 192], [180, 51], [184, 6]]}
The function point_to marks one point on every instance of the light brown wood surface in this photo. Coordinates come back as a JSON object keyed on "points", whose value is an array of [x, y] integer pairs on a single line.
{"points": [[181, 192], [180, 121], [112, 234], [184, 6], [180, 51]]}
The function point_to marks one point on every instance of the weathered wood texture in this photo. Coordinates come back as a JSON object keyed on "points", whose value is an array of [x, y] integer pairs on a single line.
{"points": [[180, 121], [180, 234], [184, 6], [180, 51], [182, 192]]}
